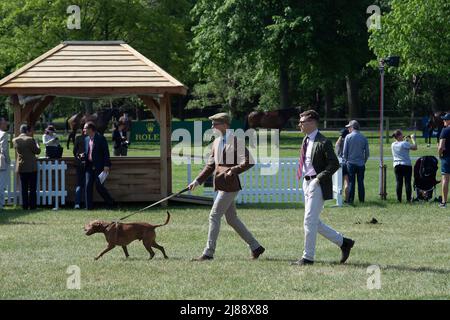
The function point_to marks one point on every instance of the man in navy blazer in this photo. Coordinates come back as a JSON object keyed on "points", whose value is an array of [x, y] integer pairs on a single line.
{"points": [[97, 161]]}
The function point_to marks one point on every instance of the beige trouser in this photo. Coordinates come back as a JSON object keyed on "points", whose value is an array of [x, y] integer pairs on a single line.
{"points": [[224, 205], [312, 224]]}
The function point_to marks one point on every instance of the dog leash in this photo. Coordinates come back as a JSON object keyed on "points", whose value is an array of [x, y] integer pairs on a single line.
{"points": [[154, 204]]}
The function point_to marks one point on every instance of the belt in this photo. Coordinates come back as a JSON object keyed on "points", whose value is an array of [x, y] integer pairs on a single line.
{"points": [[307, 178]]}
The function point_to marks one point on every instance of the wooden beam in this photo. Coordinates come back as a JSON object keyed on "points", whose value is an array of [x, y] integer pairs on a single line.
{"points": [[40, 107], [153, 105], [89, 91], [27, 110]]}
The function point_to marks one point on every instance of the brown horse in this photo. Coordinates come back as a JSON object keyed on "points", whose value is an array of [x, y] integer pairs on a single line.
{"points": [[271, 119], [435, 122], [100, 119]]}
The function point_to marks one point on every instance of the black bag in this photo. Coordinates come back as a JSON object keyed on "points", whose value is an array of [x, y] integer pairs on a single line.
{"points": [[53, 152]]}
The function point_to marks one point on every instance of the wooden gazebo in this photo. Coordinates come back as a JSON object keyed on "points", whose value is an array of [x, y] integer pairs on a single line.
{"points": [[101, 69]]}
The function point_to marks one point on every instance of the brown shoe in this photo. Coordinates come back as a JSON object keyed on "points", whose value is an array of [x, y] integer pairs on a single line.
{"points": [[202, 258], [257, 252]]}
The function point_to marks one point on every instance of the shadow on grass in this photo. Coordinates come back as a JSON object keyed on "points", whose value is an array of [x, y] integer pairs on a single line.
{"points": [[9, 216], [390, 267], [364, 265]]}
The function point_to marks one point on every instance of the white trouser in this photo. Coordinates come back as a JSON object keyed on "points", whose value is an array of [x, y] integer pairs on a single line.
{"points": [[312, 224], [3, 179]]}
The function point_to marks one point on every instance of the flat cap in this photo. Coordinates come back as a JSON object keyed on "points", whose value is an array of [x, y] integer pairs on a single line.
{"points": [[221, 117]]}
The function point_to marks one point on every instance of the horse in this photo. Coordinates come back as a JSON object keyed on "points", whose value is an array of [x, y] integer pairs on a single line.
{"points": [[100, 119], [270, 119], [435, 122]]}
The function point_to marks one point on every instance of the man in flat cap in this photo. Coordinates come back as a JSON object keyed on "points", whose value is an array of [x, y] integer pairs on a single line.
{"points": [[227, 160], [355, 155]]}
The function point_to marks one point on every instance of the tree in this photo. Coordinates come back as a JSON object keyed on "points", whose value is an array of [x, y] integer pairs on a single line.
{"points": [[419, 32], [159, 29]]}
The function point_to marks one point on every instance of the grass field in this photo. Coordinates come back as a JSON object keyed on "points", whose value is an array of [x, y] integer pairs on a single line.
{"points": [[410, 245]]}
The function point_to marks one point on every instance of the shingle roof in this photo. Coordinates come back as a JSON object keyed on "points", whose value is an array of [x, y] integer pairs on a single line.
{"points": [[91, 67]]}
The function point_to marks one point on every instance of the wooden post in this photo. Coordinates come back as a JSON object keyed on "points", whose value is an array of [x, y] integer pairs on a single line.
{"points": [[17, 114], [165, 146]]}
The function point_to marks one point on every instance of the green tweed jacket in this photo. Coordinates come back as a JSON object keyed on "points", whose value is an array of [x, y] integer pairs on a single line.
{"points": [[325, 163]]}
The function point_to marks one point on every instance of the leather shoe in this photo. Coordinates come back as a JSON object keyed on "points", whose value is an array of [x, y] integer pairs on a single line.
{"points": [[203, 257], [347, 245], [302, 262], [257, 252]]}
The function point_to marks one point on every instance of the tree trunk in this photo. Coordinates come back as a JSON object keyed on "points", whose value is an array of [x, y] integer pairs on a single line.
{"points": [[233, 106], [352, 96], [329, 98], [284, 87]]}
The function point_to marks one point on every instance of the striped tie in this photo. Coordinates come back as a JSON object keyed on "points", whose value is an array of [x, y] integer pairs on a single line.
{"points": [[301, 160]]}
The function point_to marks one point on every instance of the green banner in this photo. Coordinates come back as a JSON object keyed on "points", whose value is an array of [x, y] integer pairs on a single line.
{"points": [[149, 131]]}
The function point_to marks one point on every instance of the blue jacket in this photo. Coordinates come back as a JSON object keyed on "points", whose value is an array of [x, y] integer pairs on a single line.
{"points": [[100, 153]]}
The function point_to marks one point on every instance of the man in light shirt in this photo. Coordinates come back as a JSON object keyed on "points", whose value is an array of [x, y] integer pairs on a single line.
{"points": [[355, 155]]}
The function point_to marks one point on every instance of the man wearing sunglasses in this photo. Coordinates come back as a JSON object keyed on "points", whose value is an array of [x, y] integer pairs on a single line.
{"points": [[317, 164]]}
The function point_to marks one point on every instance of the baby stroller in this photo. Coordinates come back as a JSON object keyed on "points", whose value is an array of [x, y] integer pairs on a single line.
{"points": [[425, 177]]}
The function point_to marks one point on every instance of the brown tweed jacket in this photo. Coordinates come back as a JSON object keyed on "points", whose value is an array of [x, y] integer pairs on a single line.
{"points": [[27, 150], [234, 157]]}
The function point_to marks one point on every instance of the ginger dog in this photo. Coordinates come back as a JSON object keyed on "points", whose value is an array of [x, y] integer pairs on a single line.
{"points": [[122, 234]]}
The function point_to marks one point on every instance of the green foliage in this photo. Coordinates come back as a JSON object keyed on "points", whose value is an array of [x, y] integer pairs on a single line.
{"points": [[419, 32], [159, 29]]}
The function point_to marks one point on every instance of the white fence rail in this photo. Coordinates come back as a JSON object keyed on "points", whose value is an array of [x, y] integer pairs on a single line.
{"points": [[50, 188], [281, 186]]}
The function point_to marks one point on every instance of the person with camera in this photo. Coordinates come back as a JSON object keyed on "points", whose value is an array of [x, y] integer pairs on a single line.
{"points": [[119, 137], [402, 162], [79, 153], [51, 142]]}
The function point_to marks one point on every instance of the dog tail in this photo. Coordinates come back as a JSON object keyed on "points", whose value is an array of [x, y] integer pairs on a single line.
{"points": [[167, 221]]}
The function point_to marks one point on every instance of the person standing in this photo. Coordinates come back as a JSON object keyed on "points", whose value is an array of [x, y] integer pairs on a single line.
{"points": [[97, 162], [125, 119], [339, 148], [53, 150], [228, 159], [26, 165], [356, 153], [5, 161], [317, 164], [119, 137], [402, 163], [79, 153], [444, 155]]}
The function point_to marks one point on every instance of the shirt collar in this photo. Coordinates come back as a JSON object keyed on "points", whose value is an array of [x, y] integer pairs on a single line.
{"points": [[312, 135], [227, 135]]}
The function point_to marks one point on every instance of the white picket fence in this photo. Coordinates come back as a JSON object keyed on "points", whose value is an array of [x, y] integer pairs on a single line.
{"points": [[50, 188], [273, 182]]}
